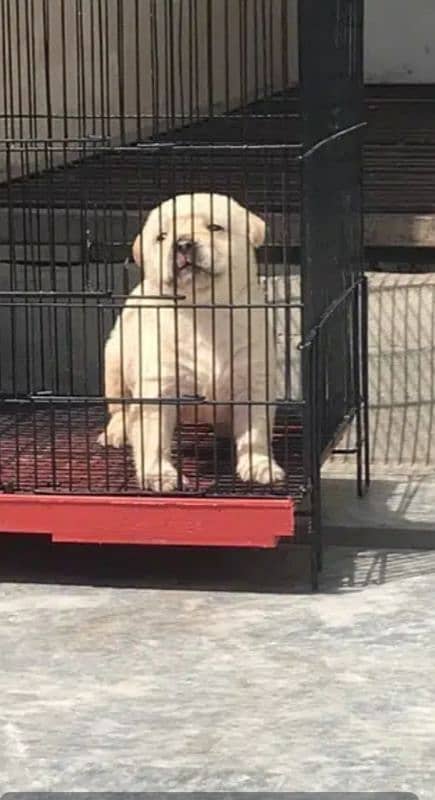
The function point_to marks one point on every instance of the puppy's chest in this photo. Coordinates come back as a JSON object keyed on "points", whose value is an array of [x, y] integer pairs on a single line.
{"points": [[204, 345], [194, 351], [202, 352]]}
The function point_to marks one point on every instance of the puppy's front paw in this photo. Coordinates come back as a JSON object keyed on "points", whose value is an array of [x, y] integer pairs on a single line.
{"points": [[259, 468], [114, 435], [161, 480]]}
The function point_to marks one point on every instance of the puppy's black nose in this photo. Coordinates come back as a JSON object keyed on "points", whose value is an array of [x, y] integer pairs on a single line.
{"points": [[185, 245]]}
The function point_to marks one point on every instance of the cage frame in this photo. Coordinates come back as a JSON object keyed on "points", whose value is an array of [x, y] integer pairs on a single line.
{"points": [[333, 122]]}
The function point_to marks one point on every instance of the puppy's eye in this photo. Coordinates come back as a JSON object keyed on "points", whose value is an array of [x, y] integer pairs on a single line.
{"points": [[215, 227], [161, 237]]}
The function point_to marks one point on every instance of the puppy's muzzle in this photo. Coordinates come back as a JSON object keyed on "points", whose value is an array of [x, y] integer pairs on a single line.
{"points": [[185, 254]]}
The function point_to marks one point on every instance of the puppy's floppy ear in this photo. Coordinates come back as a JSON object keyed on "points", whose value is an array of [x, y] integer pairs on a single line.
{"points": [[250, 223], [257, 230], [139, 249]]}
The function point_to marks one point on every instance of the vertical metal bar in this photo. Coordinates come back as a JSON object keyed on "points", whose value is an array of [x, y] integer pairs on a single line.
{"points": [[210, 88], [284, 45], [34, 444], [231, 340], [29, 233], [140, 388], [93, 82], [69, 445], [313, 363], [137, 51], [81, 70], [264, 45], [331, 99], [196, 58], [181, 38], [318, 350], [155, 66], [359, 77], [100, 37], [173, 156], [356, 355], [5, 27], [272, 44], [256, 51], [365, 379], [227, 55], [171, 64], [190, 80], [167, 104], [51, 412], [195, 342], [107, 71], [248, 324], [243, 58], [213, 344], [121, 68]]}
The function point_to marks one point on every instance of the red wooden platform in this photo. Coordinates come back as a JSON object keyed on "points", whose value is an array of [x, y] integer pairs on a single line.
{"points": [[56, 480], [224, 522]]}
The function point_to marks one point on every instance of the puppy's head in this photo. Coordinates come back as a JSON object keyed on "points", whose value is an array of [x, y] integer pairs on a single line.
{"points": [[193, 241]]}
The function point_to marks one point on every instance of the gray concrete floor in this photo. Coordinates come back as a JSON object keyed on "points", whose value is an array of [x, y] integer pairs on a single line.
{"points": [[133, 670]]}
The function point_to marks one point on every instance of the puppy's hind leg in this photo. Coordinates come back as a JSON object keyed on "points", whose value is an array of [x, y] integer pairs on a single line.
{"points": [[115, 433]]}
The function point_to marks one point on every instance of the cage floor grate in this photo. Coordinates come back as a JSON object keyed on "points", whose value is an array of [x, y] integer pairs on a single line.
{"points": [[54, 449]]}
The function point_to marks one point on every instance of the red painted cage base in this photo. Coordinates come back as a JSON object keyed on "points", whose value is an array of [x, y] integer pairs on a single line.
{"points": [[220, 522]]}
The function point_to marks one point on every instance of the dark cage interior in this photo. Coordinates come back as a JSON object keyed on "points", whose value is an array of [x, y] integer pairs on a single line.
{"points": [[108, 109]]}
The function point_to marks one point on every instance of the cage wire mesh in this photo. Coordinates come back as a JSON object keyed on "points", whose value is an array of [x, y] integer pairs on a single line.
{"points": [[110, 108]]}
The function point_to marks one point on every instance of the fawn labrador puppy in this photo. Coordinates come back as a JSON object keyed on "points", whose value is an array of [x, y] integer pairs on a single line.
{"points": [[213, 341]]}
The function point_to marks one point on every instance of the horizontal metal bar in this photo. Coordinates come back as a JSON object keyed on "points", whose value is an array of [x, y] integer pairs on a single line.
{"points": [[345, 451], [186, 118], [89, 139], [47, 398], [45, 146], [72, 295], [206, 146], [201, 306], [332, 138], [286, 487], [329, 312]]}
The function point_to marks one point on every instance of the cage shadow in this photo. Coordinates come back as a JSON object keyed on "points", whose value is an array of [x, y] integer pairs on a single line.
{"points": [[357, 569], [386, 536], [35, 559], [385, 548]]}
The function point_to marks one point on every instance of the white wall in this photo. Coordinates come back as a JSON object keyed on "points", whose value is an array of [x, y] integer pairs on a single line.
{"points": [[400, 41], [399, 46], [77, 73]]}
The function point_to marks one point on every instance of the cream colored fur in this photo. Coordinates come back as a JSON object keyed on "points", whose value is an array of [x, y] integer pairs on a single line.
{"points": [[159, 348]]}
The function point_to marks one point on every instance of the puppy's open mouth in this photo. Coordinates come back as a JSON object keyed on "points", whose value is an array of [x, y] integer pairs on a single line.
{"points": [[184, 265]]}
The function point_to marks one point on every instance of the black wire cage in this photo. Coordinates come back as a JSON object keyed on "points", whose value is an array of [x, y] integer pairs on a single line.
{"points": [[246, 112]]}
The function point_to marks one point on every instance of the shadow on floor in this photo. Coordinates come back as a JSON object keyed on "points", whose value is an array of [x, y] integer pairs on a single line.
{"points": [[399, 512], [369, 542], [355, 569], [34, 559]]}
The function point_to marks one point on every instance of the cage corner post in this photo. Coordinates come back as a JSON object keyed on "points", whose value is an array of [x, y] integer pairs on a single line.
{"points": [[334, 371]]}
